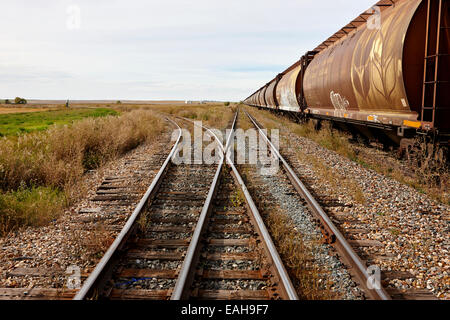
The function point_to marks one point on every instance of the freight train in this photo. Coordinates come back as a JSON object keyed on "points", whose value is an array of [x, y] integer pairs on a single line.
{"points": [[385, 75]]}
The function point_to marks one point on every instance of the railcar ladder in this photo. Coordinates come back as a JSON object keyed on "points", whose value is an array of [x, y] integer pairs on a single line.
{"points": [[434, 80]]}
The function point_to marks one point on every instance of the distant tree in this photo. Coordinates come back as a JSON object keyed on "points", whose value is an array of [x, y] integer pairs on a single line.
{"points": [[19, 100], [119, 102], [7, 101], [226, 104]]}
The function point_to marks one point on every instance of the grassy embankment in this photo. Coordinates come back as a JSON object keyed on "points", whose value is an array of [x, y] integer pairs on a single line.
{"points": [[40, 172]]}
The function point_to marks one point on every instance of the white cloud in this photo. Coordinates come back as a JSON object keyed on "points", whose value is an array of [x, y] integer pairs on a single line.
{"points": [[169, 49]]}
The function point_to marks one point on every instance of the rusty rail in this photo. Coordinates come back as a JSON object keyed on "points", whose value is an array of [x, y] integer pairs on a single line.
{"points": [[92, 286], [286, 284], [187, 272], [335, 236], [103, 267]]}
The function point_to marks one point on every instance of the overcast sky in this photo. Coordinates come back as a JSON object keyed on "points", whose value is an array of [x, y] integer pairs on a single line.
{"points": [[158, 50]]}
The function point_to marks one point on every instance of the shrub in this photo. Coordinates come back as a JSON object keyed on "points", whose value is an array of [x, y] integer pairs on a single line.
{"points": [[226, 104], [19, 100]]}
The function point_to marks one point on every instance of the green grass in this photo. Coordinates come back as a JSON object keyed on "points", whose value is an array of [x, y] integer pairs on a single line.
{"points": [[17, 123], [34, 206]]}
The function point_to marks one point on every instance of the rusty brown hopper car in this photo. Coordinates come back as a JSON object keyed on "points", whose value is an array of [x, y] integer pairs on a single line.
{"points": [[271, 98], [257, 98], [262, 97], [252, 100], [388, 69], [288, 90]]}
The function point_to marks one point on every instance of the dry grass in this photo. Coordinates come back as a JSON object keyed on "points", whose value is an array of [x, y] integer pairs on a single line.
{"points": [[244, 122], [311, 280], [57, 158], [61, 155], [327, 137], [213, 115], [336, 180], [93, 244], [7, 110], [144, 221], [431, 169]]}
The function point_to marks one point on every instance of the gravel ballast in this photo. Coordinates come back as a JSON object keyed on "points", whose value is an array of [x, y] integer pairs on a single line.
{"points": [[412, 228]]}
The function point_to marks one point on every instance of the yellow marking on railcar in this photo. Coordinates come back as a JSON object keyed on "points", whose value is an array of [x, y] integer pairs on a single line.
{"points": [[413, 124]]}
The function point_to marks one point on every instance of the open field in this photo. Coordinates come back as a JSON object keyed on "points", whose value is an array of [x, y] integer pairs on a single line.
{"points": [[20, 121], [40, 172], [104, 102], [7, 110]]}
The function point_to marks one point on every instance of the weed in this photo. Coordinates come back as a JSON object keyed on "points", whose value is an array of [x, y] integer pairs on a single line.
{"points": [[310, 279], [334, 178], [92, 244], [144, 221], [237, 198], [34, 206]]}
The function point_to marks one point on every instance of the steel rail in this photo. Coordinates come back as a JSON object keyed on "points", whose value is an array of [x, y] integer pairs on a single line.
{"points": [[186, 274], [282, 274], [343, 247], [96, 275], [279, 266]]}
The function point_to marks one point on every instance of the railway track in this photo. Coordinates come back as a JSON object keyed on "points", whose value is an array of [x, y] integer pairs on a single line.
{"points": [[97, 221], [186, 240], [331, 233], [356, 253]]}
